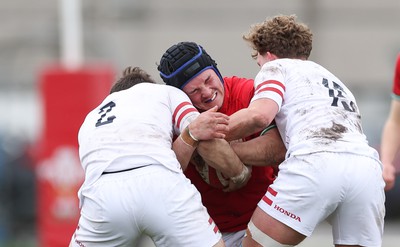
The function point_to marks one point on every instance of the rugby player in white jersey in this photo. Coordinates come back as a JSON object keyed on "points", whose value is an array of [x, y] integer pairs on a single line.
{"points": [[330, 172], [134, 184]]}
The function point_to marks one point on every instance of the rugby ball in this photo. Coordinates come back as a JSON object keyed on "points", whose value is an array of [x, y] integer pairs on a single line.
{"points": [[211, 176]]}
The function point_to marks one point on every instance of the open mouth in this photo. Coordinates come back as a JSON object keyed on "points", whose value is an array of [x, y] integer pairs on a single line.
{"points": [[212, 98]]}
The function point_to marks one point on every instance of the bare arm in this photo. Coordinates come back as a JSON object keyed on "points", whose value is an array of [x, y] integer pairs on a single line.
{"points": [[265, 150], [255, 118], [390, 144], [219, 154], [183, 152], [242, 123], [208, 125]]}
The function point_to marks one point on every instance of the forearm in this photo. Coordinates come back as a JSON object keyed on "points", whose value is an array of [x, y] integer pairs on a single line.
{"points": [[184, 147], [243, 123], [265, 150], [390, 142], [207, 126], [253, 119], [218, 154]]}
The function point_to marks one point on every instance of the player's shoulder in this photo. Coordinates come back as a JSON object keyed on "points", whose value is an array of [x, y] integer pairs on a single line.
{"points": [[152, 88], [140, 87], [236, 79], [172, 90], [290, 62], [277, 66], [235, 83]]}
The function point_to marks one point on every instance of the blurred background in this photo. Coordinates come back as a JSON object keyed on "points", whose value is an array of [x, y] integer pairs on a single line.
{"points": [[54, 69]]}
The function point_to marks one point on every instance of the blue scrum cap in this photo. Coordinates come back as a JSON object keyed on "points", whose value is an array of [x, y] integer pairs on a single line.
{"points": [[184, 61]]}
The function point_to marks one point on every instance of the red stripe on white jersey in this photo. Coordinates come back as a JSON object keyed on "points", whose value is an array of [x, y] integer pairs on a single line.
{"points": [[184, 113], [178, 108], [267, 200], [211, 222], [272, 191], [271, 89], [272, 86], [274, 82], [179, 113]]}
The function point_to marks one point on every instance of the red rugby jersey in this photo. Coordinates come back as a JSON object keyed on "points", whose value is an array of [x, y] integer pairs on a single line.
{"points": [[396, 79], [232, 211]]}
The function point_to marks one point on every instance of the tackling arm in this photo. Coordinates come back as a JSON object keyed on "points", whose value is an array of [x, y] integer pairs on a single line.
{"points": [[208, 125], [183, 150], [255, 118], [218, 154], [265, 150]]}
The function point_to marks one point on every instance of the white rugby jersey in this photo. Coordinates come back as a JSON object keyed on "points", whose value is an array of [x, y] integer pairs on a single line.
{"points": [[317, 112], [133, 128]]}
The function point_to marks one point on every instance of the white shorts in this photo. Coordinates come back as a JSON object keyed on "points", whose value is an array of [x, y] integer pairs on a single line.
{"points": [[345, 189], [152, 200], [233, 239]]}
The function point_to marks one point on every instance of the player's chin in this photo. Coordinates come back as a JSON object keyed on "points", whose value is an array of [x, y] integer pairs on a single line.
{"points": [[202, 107], [208, 106]]}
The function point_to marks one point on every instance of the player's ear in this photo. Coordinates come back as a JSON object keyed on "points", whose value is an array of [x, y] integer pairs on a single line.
{"points": [[271, 56]]}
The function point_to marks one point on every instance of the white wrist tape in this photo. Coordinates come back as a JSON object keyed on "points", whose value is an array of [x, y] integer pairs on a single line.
{"points": [[262, 238], [242, 176]]}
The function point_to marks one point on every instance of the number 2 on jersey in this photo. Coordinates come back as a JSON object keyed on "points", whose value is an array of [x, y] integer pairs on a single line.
{"points": [[104, 111], [337, 94]]}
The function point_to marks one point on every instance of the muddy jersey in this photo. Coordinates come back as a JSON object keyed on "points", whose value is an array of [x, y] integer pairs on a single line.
{"points": [[232, 211], [125, 131], [317, 112]]}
